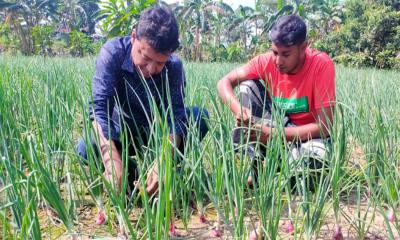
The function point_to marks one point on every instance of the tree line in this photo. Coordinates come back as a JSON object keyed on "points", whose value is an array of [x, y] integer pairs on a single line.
{"points": [[354, 32]]}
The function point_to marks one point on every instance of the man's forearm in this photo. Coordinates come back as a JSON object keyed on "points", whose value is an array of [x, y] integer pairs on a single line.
{"points": [[109, 153], [225, 90], [303, 133]]}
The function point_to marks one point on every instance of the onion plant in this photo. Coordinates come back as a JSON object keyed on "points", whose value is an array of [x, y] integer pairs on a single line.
{"points": [[43, 112]]}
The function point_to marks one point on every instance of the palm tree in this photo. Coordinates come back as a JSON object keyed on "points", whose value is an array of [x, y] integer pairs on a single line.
{"points": [[249, 24], [243, 24], [23, 15], [196, 18], [324, 15], [79, 15], [119, 16]]}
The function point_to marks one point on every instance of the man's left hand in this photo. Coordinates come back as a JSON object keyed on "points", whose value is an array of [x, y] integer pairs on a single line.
{"points": [[152, 180], [260, 133]]}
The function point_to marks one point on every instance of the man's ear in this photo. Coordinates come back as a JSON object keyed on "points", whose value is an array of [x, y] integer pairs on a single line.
{"points": [[304, 45], [133, 36]]}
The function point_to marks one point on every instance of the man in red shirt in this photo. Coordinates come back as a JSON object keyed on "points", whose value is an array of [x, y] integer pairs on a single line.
{"points": [[299, 82]]}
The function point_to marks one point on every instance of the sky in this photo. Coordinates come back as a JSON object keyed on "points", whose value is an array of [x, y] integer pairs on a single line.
{"points": [[233, 3]]}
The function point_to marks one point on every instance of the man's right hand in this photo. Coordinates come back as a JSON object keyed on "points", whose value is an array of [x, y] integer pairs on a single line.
{"points": [[111, 159], [114, 180], [243, 117], [152, 180], [113, 167]]}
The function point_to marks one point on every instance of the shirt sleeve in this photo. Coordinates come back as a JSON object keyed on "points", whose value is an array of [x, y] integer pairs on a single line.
{"points": [[256, 68], [324, 86], [176, 81], [103, 92]]}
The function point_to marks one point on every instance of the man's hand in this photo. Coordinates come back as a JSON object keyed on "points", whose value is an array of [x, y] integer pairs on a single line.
{"points": [[111, 159], [114, 180], [243, 117], [152, 172], [112, 164], [260, 133], [152, 179]]}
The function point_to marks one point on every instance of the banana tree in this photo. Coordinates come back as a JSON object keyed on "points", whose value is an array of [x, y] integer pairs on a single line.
{"points": [[22, 15], [282, 8], [119, 16], [324, 15], [79, 14], [199, 17], [243, 24]]}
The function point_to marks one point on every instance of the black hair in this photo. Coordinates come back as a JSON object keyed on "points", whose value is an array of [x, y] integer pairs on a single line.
{"points": [[158, 25], [288, 30]]}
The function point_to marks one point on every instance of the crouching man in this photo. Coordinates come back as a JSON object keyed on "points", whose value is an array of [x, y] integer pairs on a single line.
{"points": [[298, 81], [133, 74]]}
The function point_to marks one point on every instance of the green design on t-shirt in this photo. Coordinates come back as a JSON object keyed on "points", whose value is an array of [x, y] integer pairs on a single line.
{"points": [[292, 105]]}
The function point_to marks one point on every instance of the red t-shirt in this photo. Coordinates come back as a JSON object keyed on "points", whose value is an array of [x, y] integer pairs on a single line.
{"points": [[300, 94]]}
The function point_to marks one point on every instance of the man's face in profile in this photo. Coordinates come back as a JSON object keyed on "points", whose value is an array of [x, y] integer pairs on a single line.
{"points": [[289, 59], [149, 61]]}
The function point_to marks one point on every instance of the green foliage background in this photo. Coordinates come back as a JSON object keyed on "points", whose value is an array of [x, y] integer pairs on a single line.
{"points": [[359, 33], [368, 37]]}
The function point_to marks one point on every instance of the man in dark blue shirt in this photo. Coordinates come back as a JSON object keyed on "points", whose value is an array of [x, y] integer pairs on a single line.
{"points": [[134, 74]]}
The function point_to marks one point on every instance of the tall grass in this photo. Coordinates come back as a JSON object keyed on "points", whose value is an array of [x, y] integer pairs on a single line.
{"points": [[43, 111]]}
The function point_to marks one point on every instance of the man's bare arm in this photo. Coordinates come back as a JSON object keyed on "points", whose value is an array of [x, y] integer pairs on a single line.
{"points": [[226, 85], [112, 163], [152, 174], [319, 129]]}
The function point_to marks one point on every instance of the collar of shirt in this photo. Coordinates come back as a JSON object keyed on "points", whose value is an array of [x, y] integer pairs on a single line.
{"points": [[127, 64]]}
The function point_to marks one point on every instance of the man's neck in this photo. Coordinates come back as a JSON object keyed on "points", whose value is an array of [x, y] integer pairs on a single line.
{"points": [[299, 66]]}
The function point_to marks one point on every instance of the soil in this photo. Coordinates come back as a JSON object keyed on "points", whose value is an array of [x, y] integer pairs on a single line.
{"points": [[375, 227]]}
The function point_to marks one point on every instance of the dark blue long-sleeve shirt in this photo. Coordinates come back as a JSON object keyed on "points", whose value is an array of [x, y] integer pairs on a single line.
{"points": [[118, 91]]}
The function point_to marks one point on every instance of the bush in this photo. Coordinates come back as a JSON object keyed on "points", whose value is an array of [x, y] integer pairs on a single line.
{"points": [[80, 44], [236, 52], [356, 60], [8, 42], [43, 39], [369, 36]]}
